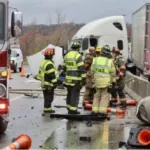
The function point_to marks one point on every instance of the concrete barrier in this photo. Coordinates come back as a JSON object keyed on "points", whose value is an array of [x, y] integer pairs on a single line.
{"points": [[137, 88]]}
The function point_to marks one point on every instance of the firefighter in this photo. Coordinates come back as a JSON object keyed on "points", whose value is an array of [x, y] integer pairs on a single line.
{"points": [[89, 90], [104, 74], [91, 51], [120, 73], [48, 77], [75, 77], [98, 51]]}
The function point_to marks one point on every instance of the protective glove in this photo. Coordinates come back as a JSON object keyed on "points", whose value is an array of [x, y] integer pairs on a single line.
{"points": [[35, 77], [114, 86], [83, 81], [59, 67], [47, 87], [110, 89], [55, 86]]}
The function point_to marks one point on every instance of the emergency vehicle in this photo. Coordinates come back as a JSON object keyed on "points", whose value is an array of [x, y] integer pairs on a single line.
{"points": [[5, 51]]}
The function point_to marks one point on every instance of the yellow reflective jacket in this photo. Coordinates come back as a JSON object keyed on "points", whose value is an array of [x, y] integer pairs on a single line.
{"points": [[74, 68], [103, 71], [47, 73]]}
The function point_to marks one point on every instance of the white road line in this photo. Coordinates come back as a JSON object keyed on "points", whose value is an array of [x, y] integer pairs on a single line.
{"points": [[16, 98]]}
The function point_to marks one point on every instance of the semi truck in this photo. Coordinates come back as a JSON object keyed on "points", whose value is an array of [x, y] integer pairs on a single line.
{"points": [[16, 26], [109, 30], [140, 42]]}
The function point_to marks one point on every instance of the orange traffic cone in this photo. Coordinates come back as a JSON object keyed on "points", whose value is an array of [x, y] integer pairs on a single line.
{"points": [[129, 103], [88, 106], [9, 74], [87, 102], [22, 142], [84, 102], [22, 72], [117, 111], [144, 137]]}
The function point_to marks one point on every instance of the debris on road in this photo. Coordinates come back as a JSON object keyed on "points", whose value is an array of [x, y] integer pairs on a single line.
{"points": [[80, 117], [32, 107], [60, 106], [84, 138]]}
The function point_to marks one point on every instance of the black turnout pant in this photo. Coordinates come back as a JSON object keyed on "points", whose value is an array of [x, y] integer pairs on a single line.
{"points": [[73, 95], [48, 97]]}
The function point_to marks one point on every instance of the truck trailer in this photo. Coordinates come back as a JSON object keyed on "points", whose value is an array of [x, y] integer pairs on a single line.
{"points": [[140, 43]]}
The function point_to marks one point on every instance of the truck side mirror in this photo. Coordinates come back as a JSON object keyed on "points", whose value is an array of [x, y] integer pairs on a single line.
{"points": [[9, 51], [16, 23]]}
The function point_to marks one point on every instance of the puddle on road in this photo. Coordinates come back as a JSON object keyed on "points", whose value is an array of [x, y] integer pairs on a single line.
{"points": [[78, 135]]}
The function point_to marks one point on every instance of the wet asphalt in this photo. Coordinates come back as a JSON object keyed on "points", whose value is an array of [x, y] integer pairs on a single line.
{"points": [[25, 118]]}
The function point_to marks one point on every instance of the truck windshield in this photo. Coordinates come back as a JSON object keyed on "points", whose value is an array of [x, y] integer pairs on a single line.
{"points": [[13, 53], [2, 22]]}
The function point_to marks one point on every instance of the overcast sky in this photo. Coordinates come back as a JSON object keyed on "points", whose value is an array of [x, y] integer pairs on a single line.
{"points": [[79, 11]]}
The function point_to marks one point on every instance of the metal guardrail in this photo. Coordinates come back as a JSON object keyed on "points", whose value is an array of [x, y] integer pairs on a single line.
{"points": [[139, 88]]}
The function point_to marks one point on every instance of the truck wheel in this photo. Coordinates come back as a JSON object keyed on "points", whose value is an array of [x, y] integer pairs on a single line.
{"points": [[15, 70], [20, 69], [148, 78], [138, 72], [3, 125]]}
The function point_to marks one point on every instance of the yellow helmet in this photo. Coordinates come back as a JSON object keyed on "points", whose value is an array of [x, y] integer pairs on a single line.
{"points": [[98, 48]]}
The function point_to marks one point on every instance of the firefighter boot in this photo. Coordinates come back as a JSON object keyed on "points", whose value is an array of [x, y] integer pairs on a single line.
{"points": [[123, 105], [49, 111], [73, 112], [113, 103]]}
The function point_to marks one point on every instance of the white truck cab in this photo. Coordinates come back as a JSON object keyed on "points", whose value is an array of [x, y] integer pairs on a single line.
{"points": [[110, 30]]}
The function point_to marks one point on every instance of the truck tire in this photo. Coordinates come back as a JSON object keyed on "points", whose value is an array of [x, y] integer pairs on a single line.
{"points": [[20, 69], [148, 78], [15, 70], [138, 72], [3, 125]]}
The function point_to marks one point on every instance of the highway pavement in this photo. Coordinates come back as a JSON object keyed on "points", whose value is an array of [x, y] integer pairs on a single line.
{"points": [[25, 118]]}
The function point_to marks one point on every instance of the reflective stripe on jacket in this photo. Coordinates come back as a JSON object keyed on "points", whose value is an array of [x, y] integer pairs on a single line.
{"points": [[43, 72], [104, 72], [74, 68]]}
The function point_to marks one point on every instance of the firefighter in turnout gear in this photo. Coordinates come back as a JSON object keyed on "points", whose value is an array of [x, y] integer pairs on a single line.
{"points": [[48, 77], [75, 77], [104, 74], [91, 52], [120, 73], [89, 90]]}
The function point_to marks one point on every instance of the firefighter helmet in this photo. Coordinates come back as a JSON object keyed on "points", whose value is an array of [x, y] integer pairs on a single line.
{"points": [[106, 49], [49, 52], [75, 45], [98, 48]]}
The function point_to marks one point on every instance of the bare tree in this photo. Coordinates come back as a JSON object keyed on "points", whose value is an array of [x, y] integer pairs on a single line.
{"points": [[61, 31]]}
